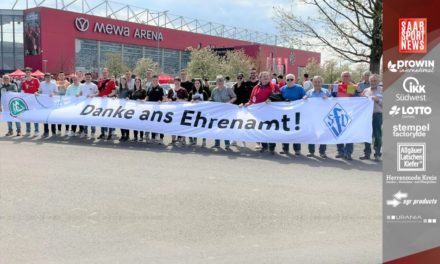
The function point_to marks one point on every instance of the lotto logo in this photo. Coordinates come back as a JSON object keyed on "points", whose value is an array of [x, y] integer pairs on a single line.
{"points": [[412, 35]]}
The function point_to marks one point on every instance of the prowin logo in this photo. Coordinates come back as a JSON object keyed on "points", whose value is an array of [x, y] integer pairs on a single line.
{"points": [[411, 66], [409, 111]]}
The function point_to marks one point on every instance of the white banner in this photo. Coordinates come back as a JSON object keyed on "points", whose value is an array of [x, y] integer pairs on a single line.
{"points": [[313, 121]]}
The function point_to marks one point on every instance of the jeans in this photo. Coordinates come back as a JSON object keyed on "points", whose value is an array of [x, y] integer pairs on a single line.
{"points": [[28, 127], [377, 136], [296, 147], [270, 146], [73, 128], [17, 125], [136, 132], [322, 148], [345, 149], [105, 129], [85, 129], [227, 142]]}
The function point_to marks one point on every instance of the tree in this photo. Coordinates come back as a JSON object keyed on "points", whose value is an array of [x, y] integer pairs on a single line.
{"points": [[204, 63], [115, 64], [143, 64], [312, 68], [234, 62], [350, 28]]}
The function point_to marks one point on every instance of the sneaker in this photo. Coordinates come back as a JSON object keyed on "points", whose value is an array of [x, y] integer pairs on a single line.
{"points": [[18, 134], [298, 153], [102, 136], [160, 142], [45, 135], [365, 157], [216, 146], [92, 136], [263, 150], [58, 133], [9, 134], [285, 152], [234, 143], [71, 134], [272, 152], [109, 137], [135, 139], [348, 157], [227, 148], [339, 156], [310, 155], [377, 158], [258, 146], [324, 156], [36, 134], [27, 134], [243, 144], [204, 143]]}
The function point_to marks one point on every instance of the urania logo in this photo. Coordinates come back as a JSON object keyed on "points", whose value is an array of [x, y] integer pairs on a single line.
{"points": [[337, 120], [17, 106], [82, 24]]}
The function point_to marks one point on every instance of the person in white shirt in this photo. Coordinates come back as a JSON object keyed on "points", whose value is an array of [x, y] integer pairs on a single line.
{"points": [[90, 90], [47, 87], [307, 84]]}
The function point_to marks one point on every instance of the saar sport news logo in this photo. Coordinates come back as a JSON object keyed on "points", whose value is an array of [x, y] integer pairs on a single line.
{"points": [[337, 120], [410, 111], [414, 91], [412, 35], [17, 106]]}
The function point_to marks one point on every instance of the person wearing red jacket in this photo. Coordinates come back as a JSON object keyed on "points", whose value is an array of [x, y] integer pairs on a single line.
{"points": [[30, 85], [261, 93], [107, 88]]}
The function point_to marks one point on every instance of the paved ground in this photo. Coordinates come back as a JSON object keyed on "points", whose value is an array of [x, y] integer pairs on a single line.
{"points": [[80, 201]]}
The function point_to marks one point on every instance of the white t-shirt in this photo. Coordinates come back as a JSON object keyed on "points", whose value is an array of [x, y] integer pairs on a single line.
{"points": [[48, 88], [130, 84], [87, 89], [307, 85]]}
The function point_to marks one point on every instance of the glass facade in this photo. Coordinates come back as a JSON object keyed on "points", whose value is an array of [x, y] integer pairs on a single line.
{"points": [[90, 55], [11, 40]]}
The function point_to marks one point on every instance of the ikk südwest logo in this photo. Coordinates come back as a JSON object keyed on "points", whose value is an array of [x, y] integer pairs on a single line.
{"points": [[412, 35]]}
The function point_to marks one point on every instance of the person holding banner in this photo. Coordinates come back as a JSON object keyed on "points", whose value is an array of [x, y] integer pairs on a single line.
{"points": [[345, 150], [243, 93], [323, 93], [292, 92], [88, 89], [138, 94], [156, 94], [376, 93], [8, 86], [73, 90], [177, 94], [222, 94], [197, 94], [107, 88], [124, 92], [48, 88], [30, 85], [261, 93]]}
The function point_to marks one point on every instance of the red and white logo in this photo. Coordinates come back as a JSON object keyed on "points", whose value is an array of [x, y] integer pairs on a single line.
{"points": [[82, 24], [412, 35]]}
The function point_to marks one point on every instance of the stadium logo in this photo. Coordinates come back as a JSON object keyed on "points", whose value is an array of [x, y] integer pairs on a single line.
{"points": [[81, 24], [17, 106], [337, 120], [412, 35]]}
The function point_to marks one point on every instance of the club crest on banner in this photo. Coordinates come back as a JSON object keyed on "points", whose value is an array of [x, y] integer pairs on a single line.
{"points": [[337, 120]]}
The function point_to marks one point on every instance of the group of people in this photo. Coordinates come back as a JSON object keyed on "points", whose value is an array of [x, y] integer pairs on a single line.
{"points": [[258, 88]]}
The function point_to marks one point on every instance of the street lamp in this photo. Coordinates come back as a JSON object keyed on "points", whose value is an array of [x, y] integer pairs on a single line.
{"points": [[158, 30]]}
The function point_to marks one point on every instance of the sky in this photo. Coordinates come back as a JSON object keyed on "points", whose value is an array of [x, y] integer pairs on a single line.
{"points": [[255, 15]]}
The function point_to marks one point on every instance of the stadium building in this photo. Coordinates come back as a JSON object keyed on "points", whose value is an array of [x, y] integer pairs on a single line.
{"points": [[78, 37]]}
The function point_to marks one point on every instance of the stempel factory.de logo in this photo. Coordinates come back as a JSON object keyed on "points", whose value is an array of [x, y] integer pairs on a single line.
{"points": [[413, 35]]}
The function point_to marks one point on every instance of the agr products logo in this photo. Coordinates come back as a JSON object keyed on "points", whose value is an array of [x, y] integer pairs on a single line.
{"points": [[412, 35]]}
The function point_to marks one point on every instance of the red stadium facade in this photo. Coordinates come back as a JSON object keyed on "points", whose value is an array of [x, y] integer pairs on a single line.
{"points": [[57, 40]]}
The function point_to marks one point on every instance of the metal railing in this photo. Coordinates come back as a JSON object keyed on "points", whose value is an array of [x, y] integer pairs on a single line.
{"points": [[124, 12]]}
